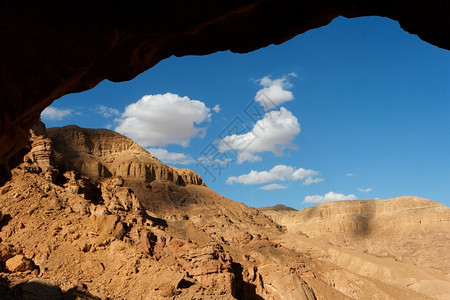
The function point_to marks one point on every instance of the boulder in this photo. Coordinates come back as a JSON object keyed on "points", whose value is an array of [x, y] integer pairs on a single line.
{"points": [[19, 263]]}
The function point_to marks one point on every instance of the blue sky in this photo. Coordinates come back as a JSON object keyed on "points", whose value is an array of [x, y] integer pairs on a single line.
{"points": [[358, 109]]}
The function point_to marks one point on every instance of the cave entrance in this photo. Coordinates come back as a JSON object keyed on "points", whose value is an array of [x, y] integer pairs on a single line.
{"points": [[356, 109]]}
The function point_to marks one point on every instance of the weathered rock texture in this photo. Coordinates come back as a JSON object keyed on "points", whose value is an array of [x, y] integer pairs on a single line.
{"points": [[407, 228], [404, 230], [53, 48], [102, 153], [129, 236]]}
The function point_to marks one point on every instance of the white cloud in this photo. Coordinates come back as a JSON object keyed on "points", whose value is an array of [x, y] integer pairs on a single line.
{"points": [[159, 120], [273, 186], [368, 190], [274, 92], [349, 175], [277, 173], [247, 156], [216, 108], [55, 114], [273, 133], [330, 196], [107, 112], [171, 157], [209, 160], [310, 180]]}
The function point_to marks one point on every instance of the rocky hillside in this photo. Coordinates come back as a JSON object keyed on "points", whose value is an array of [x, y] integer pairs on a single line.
{"points": [[102, 153], [411, 229], [382, 239], [91, 215]]}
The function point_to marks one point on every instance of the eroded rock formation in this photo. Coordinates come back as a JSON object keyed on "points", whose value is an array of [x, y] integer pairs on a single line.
{"points": [[124, 237], [102, 153], [404, 230], [69, 236], [53, 48]]}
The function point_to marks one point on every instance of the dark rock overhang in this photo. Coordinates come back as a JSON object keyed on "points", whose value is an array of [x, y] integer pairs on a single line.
{"points": [[52, 48]]}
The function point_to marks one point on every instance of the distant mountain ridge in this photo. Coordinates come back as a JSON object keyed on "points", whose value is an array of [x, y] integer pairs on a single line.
{"points": [[278, 207], [408, 228]]}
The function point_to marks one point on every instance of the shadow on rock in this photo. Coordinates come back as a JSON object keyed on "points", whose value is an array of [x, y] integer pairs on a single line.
{"points": [[40, 289], [243, 289]]}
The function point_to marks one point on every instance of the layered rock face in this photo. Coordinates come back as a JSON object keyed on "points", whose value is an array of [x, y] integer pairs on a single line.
{"points": [[407, 228], [363, 218], [102, 153], [404, 229], [54, 48]]}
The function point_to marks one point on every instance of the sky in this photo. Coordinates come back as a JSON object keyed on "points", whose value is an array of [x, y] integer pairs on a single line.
{"points": [[358, 109]]}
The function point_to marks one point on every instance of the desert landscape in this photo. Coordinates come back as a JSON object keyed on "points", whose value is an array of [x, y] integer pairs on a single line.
{"points": [[90, 214], [103, 214]]}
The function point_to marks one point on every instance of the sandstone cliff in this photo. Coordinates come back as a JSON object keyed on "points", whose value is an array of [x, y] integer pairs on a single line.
{"points": [[407, 228], [404, 230], [102, 153]]}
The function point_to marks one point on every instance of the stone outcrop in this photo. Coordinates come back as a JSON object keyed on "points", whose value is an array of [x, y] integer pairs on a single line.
{"points": [[210, 265], [38, 154], [41, 148], [54, 48], [102, 153], [19, 263], [115, 196]]}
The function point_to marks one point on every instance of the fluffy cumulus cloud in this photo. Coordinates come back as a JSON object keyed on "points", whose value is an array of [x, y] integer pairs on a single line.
{"points": [[368, 190], [330, 196], [216, 108], [277, 173], [273, 186], [159, 120], [171, 157], [274, 133], [107, 112], [274, 92], [55, 114]]}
